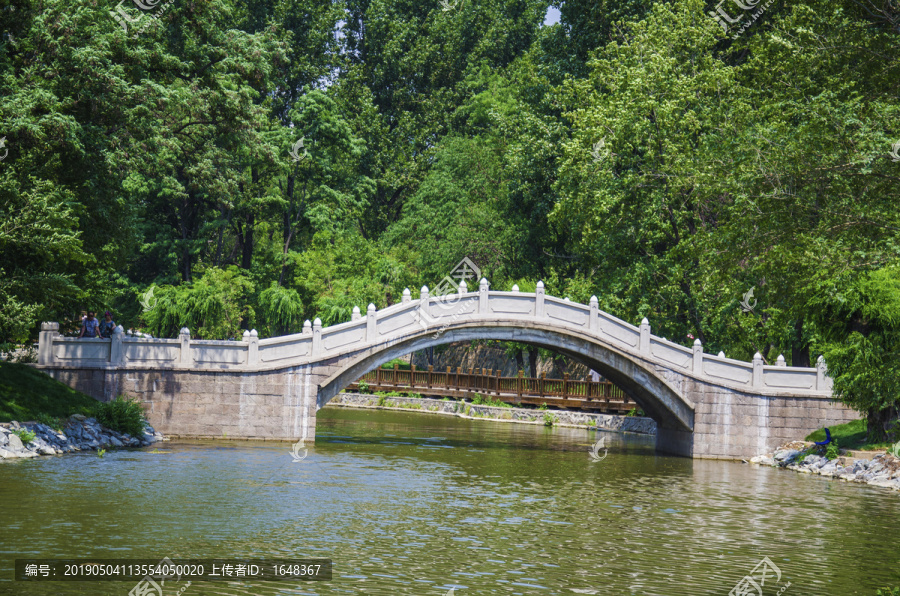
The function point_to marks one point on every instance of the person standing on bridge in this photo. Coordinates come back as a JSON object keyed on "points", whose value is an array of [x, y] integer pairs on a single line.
{"points": [[107, 326], [90, 327]]}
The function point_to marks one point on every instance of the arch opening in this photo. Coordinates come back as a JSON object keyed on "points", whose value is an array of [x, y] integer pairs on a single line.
{"points": [[659, 400]]}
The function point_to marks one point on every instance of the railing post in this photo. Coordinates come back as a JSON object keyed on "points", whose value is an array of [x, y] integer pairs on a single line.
{"points": [[406, 296], [317, 337], [49, 331], [498, 381], [539, 300], [541, 384], [757, 370], [698, 357], [252, 340], [429, 378], [780, 361], [395, 375], [483, 297], [594, 323], [116, 355], [821, 369], [644, 346], [187, 358], [355, 315], [519, 386], [565, 386], [371, 319], [447, 378]]}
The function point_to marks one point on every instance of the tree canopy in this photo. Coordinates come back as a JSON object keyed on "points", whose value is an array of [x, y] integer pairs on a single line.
{"points": [[271, 161]]}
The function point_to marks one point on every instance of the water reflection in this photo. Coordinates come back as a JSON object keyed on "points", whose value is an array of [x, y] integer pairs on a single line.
{"points": [[418, 504]]}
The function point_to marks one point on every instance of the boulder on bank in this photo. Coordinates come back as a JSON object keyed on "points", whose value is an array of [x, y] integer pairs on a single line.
{"points": [[882, 470]]}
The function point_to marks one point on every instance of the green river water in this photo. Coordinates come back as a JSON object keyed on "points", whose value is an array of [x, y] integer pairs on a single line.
{"points": [[408, 503]]}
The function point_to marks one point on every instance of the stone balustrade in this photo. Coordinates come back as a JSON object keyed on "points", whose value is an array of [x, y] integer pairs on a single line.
{"points": [[428, 314]]}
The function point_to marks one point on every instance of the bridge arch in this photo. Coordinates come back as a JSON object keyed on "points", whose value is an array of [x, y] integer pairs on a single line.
{"points": [[657, 397]]}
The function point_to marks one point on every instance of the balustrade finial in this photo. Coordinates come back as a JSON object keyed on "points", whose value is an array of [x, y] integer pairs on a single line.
{"points": [[697, 342], [371, 308], [515, 288]]}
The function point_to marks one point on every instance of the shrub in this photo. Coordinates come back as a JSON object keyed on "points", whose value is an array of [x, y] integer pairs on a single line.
{"points": [[26, 435], [51, 421], [888, 592], [363, 387], [542, 407], [832, 450], [381, 400], [895, 449], [123, 414], [549, 419]]}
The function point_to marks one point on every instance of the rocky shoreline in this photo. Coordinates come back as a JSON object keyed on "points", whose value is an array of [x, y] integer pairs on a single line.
{"points": [[883, 470], [462, 409], [80, 433]]}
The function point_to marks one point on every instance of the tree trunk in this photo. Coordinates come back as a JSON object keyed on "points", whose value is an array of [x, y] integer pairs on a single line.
{"points": [[520, 361], [880, 425], [799, 347]]}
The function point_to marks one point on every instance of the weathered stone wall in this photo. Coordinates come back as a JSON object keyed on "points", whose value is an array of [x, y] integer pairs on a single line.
{"points": [[274, 405], [633, 424]]}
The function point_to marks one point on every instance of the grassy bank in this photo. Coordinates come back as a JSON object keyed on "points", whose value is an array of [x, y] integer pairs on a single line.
{"points": [[851, 435], [28, 394]]}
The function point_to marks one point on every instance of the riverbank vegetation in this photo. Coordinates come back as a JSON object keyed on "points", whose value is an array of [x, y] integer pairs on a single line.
{"points": [[28, 394], [299, 158], [852, 435]]}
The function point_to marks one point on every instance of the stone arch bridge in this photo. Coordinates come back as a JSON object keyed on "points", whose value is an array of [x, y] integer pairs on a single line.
{"points": [[704, 405]]}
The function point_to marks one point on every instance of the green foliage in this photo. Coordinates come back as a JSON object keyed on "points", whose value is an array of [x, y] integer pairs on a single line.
{"points": [[27, 394], [399, 362], [549, 419], [214, 307], [363, 387], [26, 435], [888, 591], [852, 435], [122, 414], [488, 401], [832, 450], [280, 311], [51, 421], [381, 400], [895, 449], [542, 407], [101, 452]]}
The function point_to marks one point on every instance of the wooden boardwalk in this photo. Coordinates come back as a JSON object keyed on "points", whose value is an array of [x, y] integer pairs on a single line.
{"points": [[600, 396]]}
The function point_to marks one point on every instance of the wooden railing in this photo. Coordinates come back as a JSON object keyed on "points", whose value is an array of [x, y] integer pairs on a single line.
{"points": [[565, 393]]}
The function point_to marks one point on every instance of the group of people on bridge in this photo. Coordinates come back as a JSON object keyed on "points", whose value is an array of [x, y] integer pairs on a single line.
{"points": [[91, 327]]}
